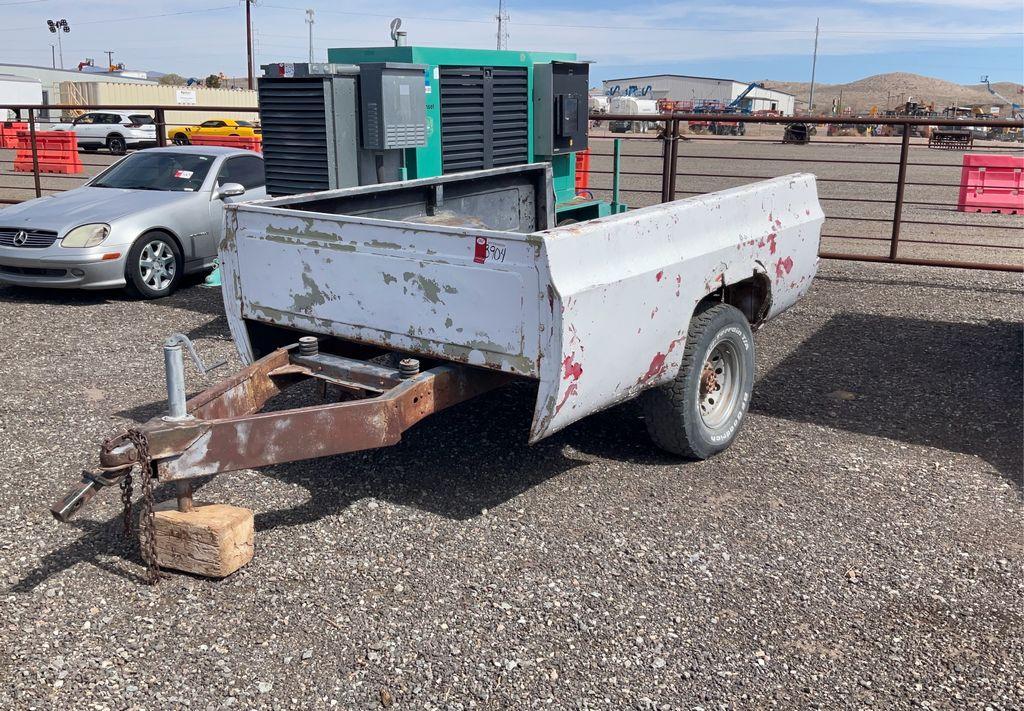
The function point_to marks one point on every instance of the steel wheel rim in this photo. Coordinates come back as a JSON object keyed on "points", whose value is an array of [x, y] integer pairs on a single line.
{"points": [[157, 265], [719, 385]]}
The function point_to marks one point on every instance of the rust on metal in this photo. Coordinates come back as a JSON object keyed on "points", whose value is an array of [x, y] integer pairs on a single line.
{"points": [[227, 431]]}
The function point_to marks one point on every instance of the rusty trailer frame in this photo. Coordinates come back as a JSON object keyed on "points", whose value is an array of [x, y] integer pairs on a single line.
{"points": [[226, 430]]}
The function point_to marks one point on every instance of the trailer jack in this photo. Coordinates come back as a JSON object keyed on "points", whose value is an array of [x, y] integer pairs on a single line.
{"points": [[223, 428]]}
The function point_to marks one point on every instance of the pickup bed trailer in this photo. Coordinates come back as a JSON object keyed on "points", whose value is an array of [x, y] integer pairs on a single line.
{"points": [[411, 297]]}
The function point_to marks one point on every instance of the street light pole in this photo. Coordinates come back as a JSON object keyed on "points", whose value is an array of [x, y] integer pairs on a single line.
{"points": [[55, 27]]}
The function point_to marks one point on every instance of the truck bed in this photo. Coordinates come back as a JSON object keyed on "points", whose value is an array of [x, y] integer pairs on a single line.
{"points": [[470, 268]]}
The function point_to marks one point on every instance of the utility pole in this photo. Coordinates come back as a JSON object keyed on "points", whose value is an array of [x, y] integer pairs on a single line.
{"points": [[814, 65], [110, 59], [309, 21], [502, 18], [248, 40], [53, 55]]}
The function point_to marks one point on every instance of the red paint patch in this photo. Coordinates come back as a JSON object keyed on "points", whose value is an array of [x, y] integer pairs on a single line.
{"points": [[783, 267], [658, 276], [480, 252], [657, 366], [572, 369], [771, 242], [778, 223]]}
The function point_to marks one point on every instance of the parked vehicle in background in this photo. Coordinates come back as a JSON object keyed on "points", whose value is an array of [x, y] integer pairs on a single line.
{"points": [[143, 223], [113, 130], [179, 135]]}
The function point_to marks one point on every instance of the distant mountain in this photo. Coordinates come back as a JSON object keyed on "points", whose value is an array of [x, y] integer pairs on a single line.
{"points": [[891, 90]]}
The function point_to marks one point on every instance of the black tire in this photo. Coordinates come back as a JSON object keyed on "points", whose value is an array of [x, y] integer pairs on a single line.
{"points": [[150, 282], [180, 139], [117, 145], [682, 417]]}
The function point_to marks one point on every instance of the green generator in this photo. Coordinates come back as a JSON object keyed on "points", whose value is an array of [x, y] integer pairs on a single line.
{"points": [[375, 114]]}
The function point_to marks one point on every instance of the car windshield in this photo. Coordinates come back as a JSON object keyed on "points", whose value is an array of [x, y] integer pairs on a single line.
{"points": [[158, 170]]}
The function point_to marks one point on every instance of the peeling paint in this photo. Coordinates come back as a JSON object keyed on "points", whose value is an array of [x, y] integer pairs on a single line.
{"points": [[783, 267]]}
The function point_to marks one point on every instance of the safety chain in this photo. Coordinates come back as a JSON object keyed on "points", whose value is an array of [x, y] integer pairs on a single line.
{"points": [[147, 528]]}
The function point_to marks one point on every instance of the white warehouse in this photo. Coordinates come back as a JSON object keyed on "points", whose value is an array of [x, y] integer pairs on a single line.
{"points": [[699, 90]]}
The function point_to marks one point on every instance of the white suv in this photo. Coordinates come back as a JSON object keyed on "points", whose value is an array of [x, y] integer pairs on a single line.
{"points": [[115, 131]]}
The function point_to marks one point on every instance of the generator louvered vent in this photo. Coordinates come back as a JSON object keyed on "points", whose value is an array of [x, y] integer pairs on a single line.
{"points": [[295, 150], [484, 117]]}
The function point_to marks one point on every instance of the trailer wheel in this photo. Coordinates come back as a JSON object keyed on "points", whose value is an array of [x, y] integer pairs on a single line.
{"points": [[699, 413]]}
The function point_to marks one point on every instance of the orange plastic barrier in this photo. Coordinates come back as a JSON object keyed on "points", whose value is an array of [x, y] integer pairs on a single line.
{"points": [[9, 133], [249, 143], [582, 170], [57, 152], [992, 183]]}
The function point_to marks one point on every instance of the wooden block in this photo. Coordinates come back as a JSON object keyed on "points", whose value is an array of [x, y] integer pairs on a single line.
{"points": [[213, 540]]}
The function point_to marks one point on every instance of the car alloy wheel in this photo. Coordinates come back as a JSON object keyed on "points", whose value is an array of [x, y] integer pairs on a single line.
{"points": [[117, 145], [157, 265]]}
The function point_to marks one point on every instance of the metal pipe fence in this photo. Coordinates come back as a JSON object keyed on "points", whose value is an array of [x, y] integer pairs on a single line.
{"points": [[883, 203]]}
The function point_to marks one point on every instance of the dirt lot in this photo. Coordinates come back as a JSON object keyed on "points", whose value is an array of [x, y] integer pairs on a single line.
{"points": [[860, 544]]}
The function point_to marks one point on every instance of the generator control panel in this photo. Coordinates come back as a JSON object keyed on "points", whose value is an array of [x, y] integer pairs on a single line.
{"points": [[560, 92]]}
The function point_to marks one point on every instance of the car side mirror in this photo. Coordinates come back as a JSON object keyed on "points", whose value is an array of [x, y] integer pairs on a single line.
{"points": [[230, 190]]}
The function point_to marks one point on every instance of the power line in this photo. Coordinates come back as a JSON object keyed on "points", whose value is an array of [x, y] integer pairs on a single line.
{"points": [[130, 18]]}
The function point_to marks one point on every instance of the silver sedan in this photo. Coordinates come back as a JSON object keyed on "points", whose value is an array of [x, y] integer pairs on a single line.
{"points": [[142, 224]]}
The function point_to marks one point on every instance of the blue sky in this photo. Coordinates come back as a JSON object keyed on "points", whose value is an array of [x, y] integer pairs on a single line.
{"points": [[958, 40]]}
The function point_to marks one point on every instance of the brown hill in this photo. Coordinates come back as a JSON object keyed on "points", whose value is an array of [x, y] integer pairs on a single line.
{"points": [[891, 90]]}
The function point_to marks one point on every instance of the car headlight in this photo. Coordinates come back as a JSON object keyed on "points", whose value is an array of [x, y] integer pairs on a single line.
{"points": [[86, 236]]}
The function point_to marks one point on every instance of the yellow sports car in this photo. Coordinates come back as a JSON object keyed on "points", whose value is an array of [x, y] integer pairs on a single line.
{"points": [[179, 135]]}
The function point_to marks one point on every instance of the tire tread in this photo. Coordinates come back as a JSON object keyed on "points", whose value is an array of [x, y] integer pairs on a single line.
{"points": [[663, 406]]}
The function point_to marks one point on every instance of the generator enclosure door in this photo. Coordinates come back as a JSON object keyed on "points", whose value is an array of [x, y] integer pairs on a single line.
{"points": [[393, 105], [560, 93]]}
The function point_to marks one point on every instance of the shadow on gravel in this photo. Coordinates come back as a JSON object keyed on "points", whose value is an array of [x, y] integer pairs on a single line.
{"points": [[953, 386], [454, 464], [100, 538]]}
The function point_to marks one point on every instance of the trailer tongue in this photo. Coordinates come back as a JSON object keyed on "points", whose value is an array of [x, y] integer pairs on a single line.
{"points": [[411, 297]]}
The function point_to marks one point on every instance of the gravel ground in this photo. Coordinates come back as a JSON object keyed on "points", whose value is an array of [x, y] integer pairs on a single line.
{"points": [[859, 545]]}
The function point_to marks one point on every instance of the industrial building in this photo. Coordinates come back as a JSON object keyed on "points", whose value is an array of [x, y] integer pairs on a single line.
{"points": [[51, 79], [701, 90]]}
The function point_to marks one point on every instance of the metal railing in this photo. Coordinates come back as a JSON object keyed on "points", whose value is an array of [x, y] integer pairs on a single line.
{"points": [[33, 115], [868, 163]]}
